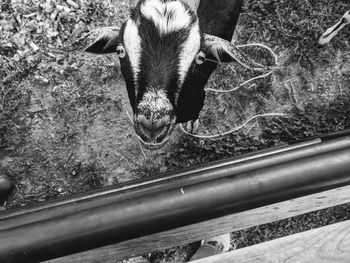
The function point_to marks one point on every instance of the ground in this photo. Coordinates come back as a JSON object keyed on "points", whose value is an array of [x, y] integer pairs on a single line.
{"points": [[64, 126]]}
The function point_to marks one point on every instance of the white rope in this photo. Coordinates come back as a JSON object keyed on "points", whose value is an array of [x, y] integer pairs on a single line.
{"points": [[128, 114], [263, 46], [138, 138], [252, 79], [234, 129], [141, 147], [241, 85], [236, 88]]}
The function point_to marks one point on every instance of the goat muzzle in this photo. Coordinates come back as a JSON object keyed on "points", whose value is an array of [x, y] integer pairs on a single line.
{"points": [[153, 133]]}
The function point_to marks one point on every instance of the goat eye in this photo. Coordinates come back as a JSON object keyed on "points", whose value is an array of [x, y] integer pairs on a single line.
{"points": [[121, 51], [200, 59]]}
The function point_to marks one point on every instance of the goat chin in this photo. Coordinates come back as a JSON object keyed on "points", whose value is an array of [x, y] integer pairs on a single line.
{"points": [[153, 146]]}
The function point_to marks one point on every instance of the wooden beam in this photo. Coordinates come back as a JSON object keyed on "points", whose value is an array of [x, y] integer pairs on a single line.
{"points": [[322, 245], [196, 232]]}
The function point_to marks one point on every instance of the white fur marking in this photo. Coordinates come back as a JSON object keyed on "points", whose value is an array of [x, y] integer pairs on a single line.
{"points": [[156, 101], [189, 51], [132, 42], [168, 17]]}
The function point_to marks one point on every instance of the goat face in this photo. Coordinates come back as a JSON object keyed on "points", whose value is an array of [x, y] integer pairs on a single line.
{"points": [[161, 41], [160, 48]]}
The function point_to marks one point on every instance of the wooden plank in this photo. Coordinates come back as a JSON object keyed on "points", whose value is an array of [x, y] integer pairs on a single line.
{"points": [[322, 245], [196, 232]]}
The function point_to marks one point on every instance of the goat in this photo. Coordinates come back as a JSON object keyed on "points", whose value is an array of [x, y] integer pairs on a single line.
{"points": [[167, 50], [333, 31]]}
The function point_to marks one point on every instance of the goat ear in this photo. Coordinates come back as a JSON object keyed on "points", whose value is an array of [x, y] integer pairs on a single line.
{"points": [[99, 41], [225, 52]]}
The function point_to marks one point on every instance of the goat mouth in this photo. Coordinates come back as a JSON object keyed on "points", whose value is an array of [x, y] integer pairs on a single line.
{"points": [[156, 145], [153, 146]]}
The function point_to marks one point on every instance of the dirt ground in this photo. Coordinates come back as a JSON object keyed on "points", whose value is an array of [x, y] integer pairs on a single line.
{"points": [[64, 126]]}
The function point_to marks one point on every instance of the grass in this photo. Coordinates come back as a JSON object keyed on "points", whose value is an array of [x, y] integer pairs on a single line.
{"points": [[63, 126]]}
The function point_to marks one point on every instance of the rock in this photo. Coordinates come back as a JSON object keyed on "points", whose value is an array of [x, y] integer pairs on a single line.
{"points": [[6, 162], [32, 45], [42, 79], [6, 186], [73, 4]]}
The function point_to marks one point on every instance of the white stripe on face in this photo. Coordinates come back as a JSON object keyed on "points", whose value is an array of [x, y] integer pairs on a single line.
{"points": [[155, 101], [132, 43], [167, 16], [190, 48]]}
